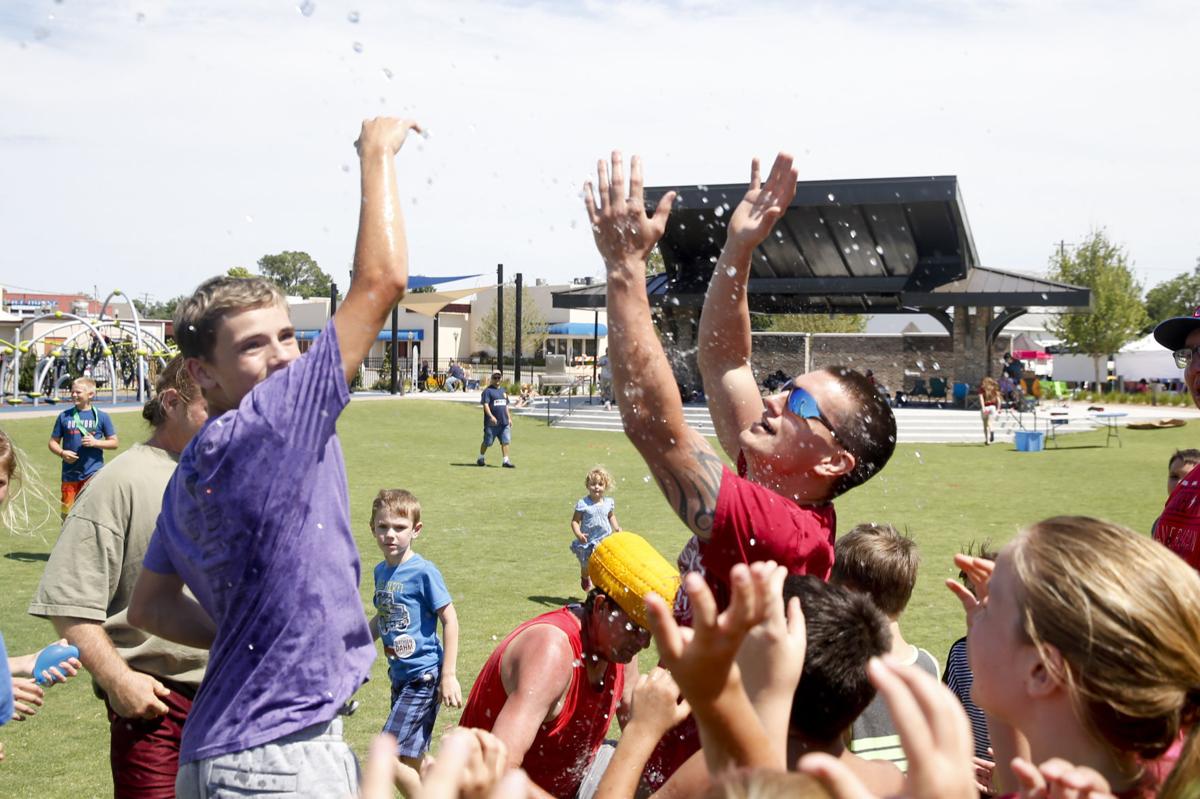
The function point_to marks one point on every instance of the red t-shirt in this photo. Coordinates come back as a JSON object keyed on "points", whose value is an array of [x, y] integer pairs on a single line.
{"points": [[1178, 528], [751, 524], [559, 756]]}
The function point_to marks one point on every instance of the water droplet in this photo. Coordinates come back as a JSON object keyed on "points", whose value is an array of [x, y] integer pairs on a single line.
{"points": [[307, 8], [831, 198], [719, 211], [140, 17], [387, 73], [646, 479], [250, 647], [879, 249], [704, 200], [345, 168], [358, 48], [752, 542], [853, 234], [353, 17], [249, 218]]}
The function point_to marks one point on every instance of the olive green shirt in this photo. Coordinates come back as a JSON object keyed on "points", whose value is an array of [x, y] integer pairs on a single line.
{"points": [[98, 558]]}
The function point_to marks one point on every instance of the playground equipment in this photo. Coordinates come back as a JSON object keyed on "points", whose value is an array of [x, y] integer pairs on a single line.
{"points": [[118, 355]]}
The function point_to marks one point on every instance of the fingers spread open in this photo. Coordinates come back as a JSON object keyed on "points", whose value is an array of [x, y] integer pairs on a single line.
{"points": [[616, 187], [663, 627]]}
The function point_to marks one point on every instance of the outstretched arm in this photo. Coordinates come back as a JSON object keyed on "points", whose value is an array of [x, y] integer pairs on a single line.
{"points": [[160, 607], [687, 469], [381, 253], [724, 335]]}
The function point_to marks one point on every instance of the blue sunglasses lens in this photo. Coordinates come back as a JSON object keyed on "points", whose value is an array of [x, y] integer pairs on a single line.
{"points": [[801, 403]]}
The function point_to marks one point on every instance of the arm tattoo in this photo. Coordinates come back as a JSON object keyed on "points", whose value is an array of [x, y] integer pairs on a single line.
{"points": [[692, 488]]}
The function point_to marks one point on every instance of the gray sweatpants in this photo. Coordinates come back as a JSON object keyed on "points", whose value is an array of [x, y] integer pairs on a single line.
{"points": [[314, 762]]}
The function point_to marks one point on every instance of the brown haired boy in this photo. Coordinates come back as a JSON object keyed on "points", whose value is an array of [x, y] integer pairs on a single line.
{"points": [[880, 562]]}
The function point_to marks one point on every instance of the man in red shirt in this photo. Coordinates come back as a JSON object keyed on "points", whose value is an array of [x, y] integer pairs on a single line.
{"points": [[822, 434], [1179, 525], [551, 688]]}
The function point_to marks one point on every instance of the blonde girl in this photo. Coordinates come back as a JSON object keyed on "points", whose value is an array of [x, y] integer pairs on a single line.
{"points": [[989, 407], [1083, 642], [25, 504], [593, 520]]}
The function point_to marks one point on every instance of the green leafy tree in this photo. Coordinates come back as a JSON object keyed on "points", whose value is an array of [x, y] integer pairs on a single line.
{"points": [[1117, 314], [808, 323], [1178, 296], [239, 271], [296, 273], [533, 324]]}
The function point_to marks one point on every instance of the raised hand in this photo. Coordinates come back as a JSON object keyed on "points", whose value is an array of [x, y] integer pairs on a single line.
{"points": [[763, 204], [624, 233], [383, 135], [978, 571], [772, 656], [702, 659], [934, 733]]}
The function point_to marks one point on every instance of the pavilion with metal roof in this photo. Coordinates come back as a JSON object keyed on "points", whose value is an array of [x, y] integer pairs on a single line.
{"points": [[880, 245]]}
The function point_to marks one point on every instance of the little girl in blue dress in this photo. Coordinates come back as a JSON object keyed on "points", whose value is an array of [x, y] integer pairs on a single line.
{"points": [[593, 520]]}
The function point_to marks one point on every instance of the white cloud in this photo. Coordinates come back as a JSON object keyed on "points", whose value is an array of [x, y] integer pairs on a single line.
{"points": [[134, 152]]}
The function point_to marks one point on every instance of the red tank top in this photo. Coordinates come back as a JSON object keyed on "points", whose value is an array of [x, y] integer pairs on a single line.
{"points": [[559, 756]]}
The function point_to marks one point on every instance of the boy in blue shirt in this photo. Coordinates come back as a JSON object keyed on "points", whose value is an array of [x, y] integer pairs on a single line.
{"points": [[410, 596], [496, 422], [80, 436]]}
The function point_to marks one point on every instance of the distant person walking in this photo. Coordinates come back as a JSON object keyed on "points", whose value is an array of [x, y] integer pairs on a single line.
{"points": [[989, 406], [496, 422], [80, 436]]}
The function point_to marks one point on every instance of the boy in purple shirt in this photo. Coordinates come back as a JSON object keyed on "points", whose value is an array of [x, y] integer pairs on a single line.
{"points": [[256, 519]]}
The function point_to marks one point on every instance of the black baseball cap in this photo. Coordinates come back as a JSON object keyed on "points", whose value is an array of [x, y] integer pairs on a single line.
{"points": [[1173, 332]]}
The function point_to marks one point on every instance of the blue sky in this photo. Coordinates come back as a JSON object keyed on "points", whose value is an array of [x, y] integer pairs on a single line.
{"points": [[149, 152]]}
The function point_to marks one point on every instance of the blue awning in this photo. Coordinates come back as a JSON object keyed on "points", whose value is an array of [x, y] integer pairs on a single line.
{"points": [[587, 329], [384, 335], [424, 281]]}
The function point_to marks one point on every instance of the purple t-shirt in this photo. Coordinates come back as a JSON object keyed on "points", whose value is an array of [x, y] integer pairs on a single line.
{"points": [[256, 521]]}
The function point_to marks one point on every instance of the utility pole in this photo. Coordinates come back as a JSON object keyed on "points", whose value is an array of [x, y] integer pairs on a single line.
{"points": [[517, 335], [500, 317]]}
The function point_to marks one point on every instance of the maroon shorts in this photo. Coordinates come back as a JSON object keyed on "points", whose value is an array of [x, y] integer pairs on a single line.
{"points": [[145, 752]]}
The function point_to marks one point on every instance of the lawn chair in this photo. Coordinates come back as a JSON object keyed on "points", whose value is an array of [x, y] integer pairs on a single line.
{"points": [[556, 373], [919, 389], [937, 389]]}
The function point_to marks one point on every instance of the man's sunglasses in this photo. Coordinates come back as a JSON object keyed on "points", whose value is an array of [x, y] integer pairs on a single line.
{"points": [[1184, 356], [804, 405]]}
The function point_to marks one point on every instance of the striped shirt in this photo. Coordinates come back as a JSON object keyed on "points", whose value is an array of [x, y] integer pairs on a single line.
{"points": [[958, 678]]}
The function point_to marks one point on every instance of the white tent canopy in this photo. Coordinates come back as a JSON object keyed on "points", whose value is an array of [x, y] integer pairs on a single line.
{"points": [[1146, 358]]}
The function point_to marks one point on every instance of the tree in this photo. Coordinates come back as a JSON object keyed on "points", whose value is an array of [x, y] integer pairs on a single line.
{"points": [[159, 310], [296, 273], [533, 324], [808, 323], [238, 271], [1117, 315], [1178, 296]]}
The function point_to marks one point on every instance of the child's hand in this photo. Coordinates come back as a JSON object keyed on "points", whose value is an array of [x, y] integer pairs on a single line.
{"points": [[61, 671], [701, 659], [470, 765], [978, 571], [27, 698], [70, 456], [656, 704], [88, 440], [451, 691], [772, 656]]}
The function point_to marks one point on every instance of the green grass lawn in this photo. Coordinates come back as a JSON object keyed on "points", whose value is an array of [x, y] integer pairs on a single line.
{"points": [[500, 538]]}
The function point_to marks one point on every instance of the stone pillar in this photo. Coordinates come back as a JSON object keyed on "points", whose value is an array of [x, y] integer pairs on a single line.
{"points": [[972, 358]]}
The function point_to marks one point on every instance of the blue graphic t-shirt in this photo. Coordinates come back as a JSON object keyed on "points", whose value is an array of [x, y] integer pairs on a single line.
{"points": [[408, 597], [497, 400], [69, 428]]}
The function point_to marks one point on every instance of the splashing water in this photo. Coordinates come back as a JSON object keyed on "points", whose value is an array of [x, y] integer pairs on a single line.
{"points": [[358, 48], [307, 8], [352, 17]]}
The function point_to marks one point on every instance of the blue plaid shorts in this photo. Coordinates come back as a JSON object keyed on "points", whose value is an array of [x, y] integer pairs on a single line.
{"points": [[415, 707]]}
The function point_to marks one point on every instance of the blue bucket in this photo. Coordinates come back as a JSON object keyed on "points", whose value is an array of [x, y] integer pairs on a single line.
{"points": [[1029, 440]]}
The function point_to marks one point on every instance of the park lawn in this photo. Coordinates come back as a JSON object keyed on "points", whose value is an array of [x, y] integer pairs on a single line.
{"points": [[500, 538]]}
